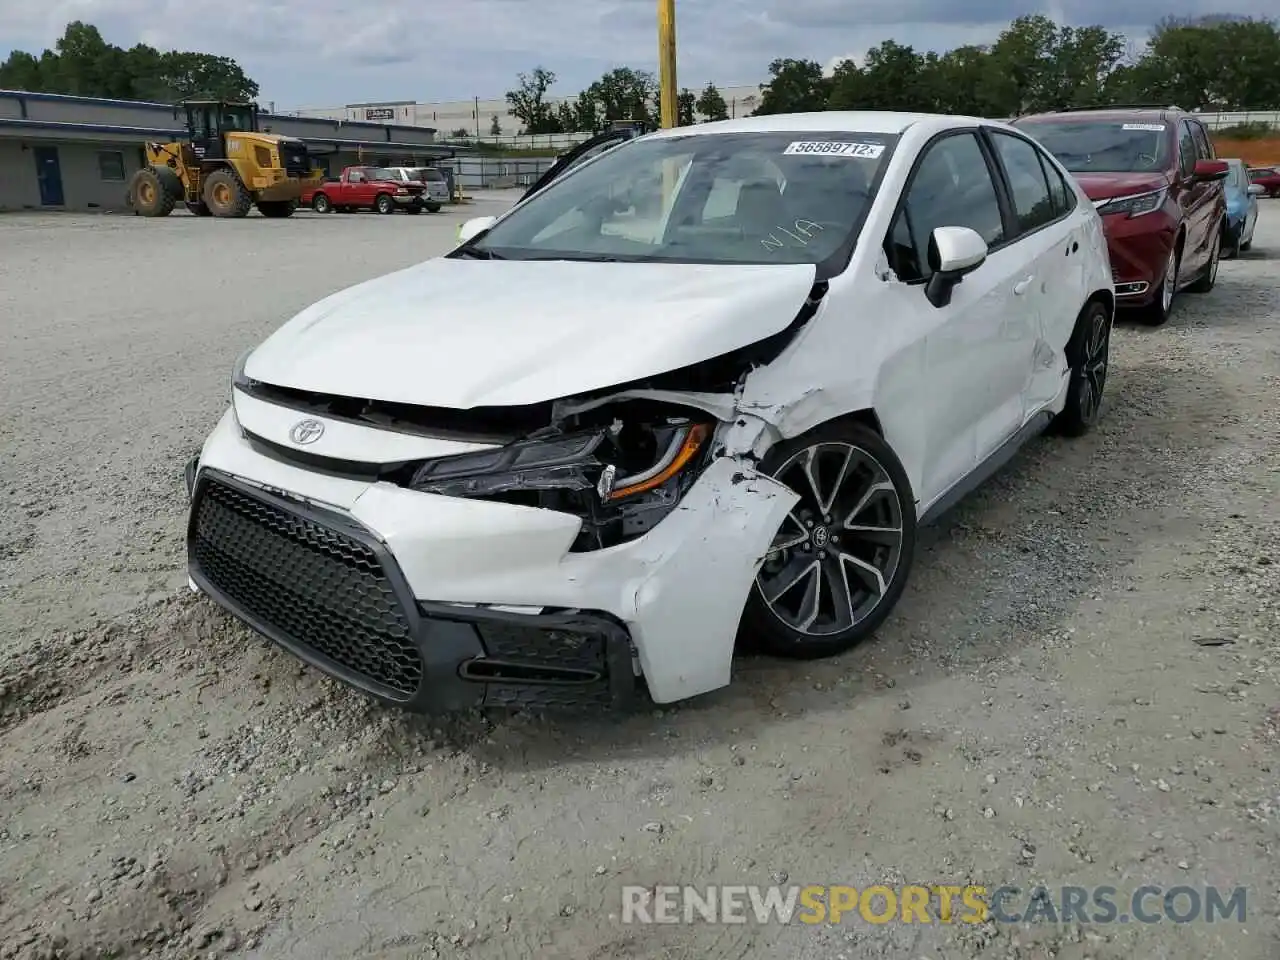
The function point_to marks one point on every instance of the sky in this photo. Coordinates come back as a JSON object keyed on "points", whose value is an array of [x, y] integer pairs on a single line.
{"points": [[333, 52]]}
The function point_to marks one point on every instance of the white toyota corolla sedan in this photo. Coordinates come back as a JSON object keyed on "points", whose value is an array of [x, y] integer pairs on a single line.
{"points": [[696, 387]]}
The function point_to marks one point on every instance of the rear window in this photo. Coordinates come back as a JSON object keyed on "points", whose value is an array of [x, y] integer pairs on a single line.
{"points": [[1104, 146], [427, 174]]}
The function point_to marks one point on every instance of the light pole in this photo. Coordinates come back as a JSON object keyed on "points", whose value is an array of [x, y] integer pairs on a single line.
{"points": [[667, 91]]}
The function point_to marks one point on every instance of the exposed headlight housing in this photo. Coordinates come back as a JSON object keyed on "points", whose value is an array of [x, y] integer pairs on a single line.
{"points": [[1134, 205], [621, 478]]}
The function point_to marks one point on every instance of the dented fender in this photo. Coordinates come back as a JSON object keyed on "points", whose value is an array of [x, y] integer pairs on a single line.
{"points": [[688, 607]]}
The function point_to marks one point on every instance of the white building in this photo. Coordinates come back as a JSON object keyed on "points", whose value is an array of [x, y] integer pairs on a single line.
{"points": [[475, 116]]}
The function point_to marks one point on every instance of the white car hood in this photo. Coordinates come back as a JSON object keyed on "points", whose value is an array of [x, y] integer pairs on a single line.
{"points": [[470, 333]]}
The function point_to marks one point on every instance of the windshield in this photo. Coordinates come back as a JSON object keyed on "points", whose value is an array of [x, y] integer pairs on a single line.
{"points": [[427, 174], [1104, 146], [710, 198], [382, 173]]}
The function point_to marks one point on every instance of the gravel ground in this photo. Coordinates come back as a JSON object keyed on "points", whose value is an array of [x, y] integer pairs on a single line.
{"points": [[1080, 686]]}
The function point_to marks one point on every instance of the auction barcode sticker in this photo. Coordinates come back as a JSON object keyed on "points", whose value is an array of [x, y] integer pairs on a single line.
{"points": [[1143, 126], [836, 148]]}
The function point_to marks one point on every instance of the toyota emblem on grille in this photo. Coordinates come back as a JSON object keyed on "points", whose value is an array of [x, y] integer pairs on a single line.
{"points": [[306, 431]]}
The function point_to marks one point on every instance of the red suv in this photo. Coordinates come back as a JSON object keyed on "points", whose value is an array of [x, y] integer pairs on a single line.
{"points": [[1152, 175]]}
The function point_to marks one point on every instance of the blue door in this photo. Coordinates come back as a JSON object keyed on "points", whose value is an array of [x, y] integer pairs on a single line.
{"points": [[49, 173]]}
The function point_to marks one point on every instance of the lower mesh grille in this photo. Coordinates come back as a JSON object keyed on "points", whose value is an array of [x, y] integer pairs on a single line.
{"points": [[314, 585]]}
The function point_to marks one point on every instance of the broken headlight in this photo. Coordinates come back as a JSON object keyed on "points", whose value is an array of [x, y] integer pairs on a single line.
{"points": [[554, 462], [620, 478]]}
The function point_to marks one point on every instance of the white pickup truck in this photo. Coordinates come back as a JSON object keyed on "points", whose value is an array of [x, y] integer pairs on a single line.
{"points": [[437, 186]]}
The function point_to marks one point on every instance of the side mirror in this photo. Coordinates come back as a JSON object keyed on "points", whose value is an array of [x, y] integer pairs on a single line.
{"points": [[1207, 171], [474, 226], [1257, 190], [953, 252]]}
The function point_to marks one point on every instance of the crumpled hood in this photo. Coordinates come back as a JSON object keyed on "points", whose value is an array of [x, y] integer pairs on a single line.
{"points": [[468, 333]]}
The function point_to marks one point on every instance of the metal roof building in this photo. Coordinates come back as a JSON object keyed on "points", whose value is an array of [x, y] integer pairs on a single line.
{"points": [[77, 153]]}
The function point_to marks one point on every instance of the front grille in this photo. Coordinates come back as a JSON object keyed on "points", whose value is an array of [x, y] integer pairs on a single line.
{"points": [[312, 586]]}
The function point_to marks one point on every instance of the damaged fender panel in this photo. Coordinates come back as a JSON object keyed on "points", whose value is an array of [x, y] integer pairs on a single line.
{"points": [[688, 610]]}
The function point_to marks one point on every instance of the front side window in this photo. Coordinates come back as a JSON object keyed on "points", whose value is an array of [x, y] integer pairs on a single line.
{"points": [[1186, 148], [1031, 199], [756, 198], [1204, 149], [952, 187], [1104, 146]]}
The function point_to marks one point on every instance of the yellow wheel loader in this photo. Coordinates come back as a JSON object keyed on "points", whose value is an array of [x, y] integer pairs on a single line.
{"points": [[224, 167]]}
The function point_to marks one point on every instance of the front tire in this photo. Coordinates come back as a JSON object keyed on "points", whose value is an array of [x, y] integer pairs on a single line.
{"points": [[1206, 281], [384, 204], [320, 204], [226, 196], [839, 563], [1157, 312], [1089, 352]]}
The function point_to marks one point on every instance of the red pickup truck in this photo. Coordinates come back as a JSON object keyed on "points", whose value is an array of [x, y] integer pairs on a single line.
{"points": [[369, 188]]}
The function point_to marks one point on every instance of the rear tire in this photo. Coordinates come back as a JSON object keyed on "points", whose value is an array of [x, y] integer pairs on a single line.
{"points": [[149, 193], [277, 209], [852, 533], [384, 204], [1089, 352], [226, 196], [320, 204], [433, 208]]}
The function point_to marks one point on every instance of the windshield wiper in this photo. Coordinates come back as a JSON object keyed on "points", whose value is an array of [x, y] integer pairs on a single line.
{"points": [[589, 258], [477, 254]]}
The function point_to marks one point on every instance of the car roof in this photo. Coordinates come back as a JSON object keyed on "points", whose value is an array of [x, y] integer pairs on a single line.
{"points": [[826, 121]]}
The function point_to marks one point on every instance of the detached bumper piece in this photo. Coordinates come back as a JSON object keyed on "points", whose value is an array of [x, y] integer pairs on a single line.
{"points": [[327, 590]]}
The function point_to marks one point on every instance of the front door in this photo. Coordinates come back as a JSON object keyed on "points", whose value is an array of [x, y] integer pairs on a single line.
{"points": [[49, 176], [973, 376]]}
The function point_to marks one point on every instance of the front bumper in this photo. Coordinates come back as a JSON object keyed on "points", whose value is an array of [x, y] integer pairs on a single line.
{"points": [[437, 603], [1139, 249]]}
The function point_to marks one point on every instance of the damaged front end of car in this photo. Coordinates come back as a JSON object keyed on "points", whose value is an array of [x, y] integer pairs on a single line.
{"points": [[566, 591], [620, 459]]}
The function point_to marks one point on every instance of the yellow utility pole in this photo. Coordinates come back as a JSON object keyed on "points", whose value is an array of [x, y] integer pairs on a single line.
{"points": [[667, 90]]}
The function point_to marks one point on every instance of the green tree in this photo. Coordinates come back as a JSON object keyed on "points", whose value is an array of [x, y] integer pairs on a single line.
{"points": [[686, 107], [625, 94], [795, 86], [21, 71], [711, 104], [579, 115], [82, 63], [528, 102], [495, 127]]}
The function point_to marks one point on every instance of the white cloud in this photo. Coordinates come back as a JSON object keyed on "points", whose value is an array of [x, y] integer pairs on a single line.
{"points": [[333, 51]]}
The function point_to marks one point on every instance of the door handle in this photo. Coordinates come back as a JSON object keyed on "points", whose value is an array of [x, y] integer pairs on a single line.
{"points": [[1021, 286]]}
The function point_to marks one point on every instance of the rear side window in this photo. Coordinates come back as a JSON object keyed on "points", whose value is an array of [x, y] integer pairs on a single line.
{"points": [[1031, 200], [951, 187]]}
